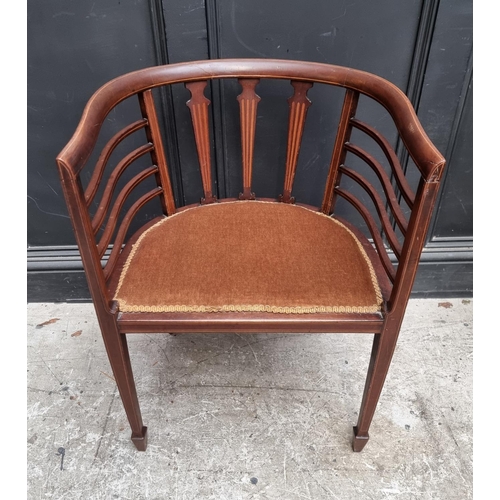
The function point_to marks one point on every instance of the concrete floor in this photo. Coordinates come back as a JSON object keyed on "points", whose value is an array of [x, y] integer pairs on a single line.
{"points": [[250, 416]]}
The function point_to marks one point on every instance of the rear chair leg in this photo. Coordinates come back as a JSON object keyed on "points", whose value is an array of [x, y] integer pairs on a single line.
{"points": [[382, 351], [117, 349]]}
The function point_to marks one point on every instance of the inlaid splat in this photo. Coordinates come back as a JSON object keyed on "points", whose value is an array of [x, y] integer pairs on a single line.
{"points": [[299, 103], [198, 105], [248, 100]]}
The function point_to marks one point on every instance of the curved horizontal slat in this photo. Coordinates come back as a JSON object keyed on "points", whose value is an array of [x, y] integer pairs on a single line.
{"points": [[386, 184], [104, 157], [120, 200], [379, 245], [112, 181], [379, 206], [122, 231], [401, 181]]}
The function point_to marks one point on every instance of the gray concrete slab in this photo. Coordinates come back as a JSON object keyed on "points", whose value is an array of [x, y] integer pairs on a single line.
{"points": [[250, 416]]}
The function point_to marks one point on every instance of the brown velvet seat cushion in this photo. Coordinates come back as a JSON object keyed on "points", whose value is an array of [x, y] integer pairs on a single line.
{"points": [[248, 256]]}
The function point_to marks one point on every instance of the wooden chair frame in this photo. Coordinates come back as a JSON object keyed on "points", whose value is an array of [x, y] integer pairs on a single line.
{"points": [[395, 283]]}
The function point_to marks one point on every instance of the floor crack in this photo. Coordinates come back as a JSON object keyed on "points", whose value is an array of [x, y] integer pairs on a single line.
{"points": [[105, 425]]}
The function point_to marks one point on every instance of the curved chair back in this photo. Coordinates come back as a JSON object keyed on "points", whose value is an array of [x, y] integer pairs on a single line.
{"points": [[405, 244]]}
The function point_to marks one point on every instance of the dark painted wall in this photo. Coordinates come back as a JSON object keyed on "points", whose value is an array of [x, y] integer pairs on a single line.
{"points": [[74, 47], [424, 47]]}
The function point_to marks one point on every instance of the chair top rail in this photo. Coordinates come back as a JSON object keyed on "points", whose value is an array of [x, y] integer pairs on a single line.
{"points": [[425, 155]]}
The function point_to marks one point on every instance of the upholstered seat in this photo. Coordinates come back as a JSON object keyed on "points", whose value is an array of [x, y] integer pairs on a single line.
{"points": [[254, 256]]}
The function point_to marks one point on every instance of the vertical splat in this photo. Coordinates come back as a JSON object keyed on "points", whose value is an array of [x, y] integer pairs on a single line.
{"points": [[299, 103], [198, 105], [248, 100], [158, 153], [339, 151]]}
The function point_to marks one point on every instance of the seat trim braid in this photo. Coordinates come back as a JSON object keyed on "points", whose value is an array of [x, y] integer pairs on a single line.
{"points": [[123, 306]]}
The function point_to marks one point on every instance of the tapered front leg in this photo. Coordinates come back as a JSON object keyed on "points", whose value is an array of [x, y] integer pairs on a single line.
{"points": [[381, 356], [117, 349]]}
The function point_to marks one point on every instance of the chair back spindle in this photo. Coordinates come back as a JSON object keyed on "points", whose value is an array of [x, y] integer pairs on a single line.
{"points": [[299, 104], [158, 153], [338, 156], [248, 100], [198, 105]]}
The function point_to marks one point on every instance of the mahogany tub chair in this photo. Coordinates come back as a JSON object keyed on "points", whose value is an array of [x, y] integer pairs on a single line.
{"points": [[250, 264]]}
